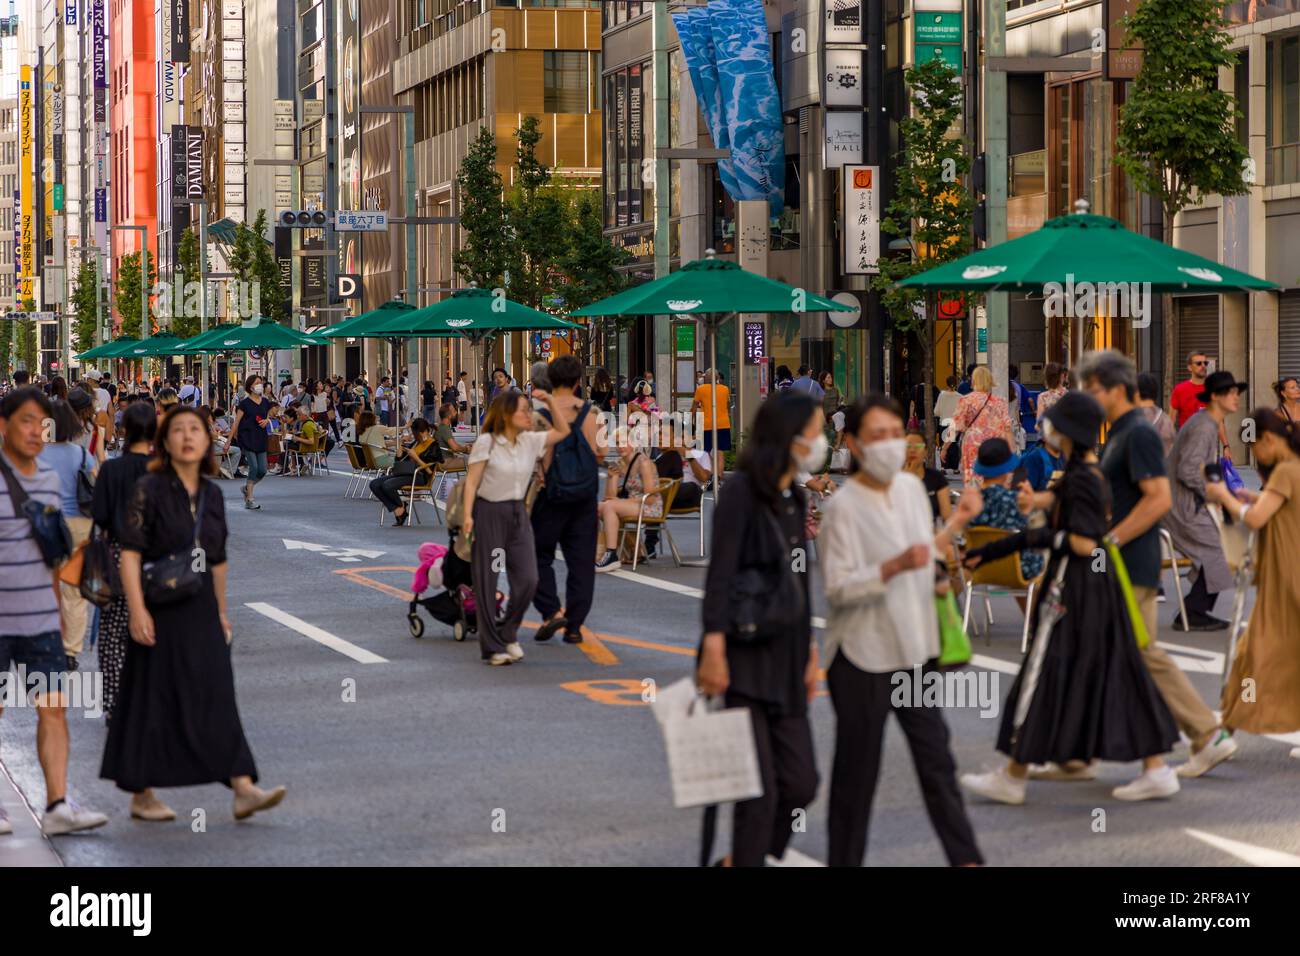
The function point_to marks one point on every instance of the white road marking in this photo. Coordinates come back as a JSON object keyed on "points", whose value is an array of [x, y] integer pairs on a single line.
{"points": [[346, 648], [1247, 852], [332, 551], [793, 858]]}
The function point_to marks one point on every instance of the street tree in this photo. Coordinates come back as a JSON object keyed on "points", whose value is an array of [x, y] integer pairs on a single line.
{"points": [[1177, 139], [590, 263], [127, 292], [86, 325], [25, 338], [930, 208], [482, 257], [187, 265]]}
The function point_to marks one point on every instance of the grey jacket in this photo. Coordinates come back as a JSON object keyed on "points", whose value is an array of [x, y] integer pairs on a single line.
{"points": [[1188, 522]]}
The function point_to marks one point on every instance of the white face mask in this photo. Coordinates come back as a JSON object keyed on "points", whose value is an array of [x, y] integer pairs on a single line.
{"points": [[1050, 438], [811, 459], [257, 389], [883, 459]]}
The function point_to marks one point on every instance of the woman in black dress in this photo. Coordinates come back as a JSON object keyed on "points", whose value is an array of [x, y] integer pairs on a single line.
{"points": [[759, 527], [1083, 692], [114, 492], [177, 723], [602, 391]]}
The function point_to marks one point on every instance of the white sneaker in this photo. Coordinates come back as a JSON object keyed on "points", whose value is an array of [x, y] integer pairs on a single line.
{"points": [[498, 660], [995, 785], [67, 817], [609, 562], [1056, 771], [1221, 748], [5, 826], [515, 651], [1151, 785]]}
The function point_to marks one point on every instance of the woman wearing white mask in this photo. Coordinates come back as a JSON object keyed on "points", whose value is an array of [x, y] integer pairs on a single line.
{"points": [[252, 421], [878, 550], [758, 647]]}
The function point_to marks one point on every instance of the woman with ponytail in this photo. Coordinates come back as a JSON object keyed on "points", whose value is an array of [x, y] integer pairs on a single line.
{"points": [[1268, 654], [1083, 692]]}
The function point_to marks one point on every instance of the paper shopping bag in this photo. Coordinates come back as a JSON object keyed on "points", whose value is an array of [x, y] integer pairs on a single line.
{"points": [[712, 757]]}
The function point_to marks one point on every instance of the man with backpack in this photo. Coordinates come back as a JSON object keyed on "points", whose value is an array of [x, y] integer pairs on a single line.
{"points": [[565, 510]]}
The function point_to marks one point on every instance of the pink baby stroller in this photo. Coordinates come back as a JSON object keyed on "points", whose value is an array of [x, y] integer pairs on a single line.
{"points": [[440, 568]]}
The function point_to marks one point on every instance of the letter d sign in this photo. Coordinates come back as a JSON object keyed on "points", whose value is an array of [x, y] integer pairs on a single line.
{"points": [[349, 286]]}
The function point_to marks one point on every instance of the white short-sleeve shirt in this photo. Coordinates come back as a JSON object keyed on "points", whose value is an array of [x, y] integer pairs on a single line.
{"points": [[509, 466]]}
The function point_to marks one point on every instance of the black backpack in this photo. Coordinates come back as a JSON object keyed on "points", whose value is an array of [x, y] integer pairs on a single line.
{"points": [[573, 475]]}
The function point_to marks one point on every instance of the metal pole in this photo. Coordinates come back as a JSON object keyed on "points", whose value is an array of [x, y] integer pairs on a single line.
{"points": [[995, 106], [144, 282], [203, 295]]}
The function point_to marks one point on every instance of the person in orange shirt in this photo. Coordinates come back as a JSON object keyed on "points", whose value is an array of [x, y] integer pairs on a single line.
{"points": [[704, 402]]}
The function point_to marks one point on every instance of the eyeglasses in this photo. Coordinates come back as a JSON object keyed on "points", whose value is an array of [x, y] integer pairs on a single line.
{"points": [[1200, 363]]}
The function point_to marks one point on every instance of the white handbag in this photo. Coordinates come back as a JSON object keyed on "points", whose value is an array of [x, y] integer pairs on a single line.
{"points": [[712, 757]]}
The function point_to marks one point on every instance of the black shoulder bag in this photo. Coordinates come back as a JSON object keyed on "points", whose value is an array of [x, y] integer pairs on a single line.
{"points": [[766, 602], [85, 488], [173, 577], [48, 527]]}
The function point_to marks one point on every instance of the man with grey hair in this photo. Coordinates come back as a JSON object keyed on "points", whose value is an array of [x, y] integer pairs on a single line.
{"points": [[1134, 466]]}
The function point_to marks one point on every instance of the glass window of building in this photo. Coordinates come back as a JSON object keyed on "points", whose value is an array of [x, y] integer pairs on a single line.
{"points": [[564, 76], [1282, 120]]}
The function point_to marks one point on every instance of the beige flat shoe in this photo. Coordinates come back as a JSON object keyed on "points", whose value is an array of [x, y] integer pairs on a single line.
{"points": [[257, 801], [154, 811]]}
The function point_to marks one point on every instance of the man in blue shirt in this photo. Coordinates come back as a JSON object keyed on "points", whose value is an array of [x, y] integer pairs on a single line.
{"points": [[964, 387], [805, 383]]}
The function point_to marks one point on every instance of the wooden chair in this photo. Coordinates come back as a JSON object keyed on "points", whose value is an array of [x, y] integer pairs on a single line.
{"points": [[1175, 562], [697, 511], [667, 489], [453, 465], [1002, 576]]}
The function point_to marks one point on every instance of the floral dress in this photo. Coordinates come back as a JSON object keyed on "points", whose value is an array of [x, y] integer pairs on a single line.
{"points": [[654, 505], [1046, 400], [979, 417]]}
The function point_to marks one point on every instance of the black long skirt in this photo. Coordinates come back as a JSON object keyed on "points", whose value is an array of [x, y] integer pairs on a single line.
{"points": [[176, 722], [1094, 697]]}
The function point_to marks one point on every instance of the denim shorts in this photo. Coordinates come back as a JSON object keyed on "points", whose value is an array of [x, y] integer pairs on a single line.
{"points": [[256, 462], [38, 653]]}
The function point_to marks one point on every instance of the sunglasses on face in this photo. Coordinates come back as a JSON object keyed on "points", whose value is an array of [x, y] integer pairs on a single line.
{"points": [[1200, 363]]}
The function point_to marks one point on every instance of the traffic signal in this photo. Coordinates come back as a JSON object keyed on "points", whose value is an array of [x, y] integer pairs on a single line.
{"points": [[304, 218]]}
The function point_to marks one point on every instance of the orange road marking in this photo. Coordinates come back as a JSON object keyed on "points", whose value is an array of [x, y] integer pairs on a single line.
{"points": [[592, 644]]}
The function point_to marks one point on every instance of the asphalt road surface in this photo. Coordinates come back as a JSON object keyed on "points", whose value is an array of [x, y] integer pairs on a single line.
{"points": [[399, 751]]}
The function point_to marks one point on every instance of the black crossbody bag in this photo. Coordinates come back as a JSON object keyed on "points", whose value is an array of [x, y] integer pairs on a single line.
{"points": [[172, 578], [48, 527], [765, 602]]}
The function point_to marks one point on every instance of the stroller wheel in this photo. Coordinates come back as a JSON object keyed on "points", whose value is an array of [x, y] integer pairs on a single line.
{"points": [[458, 630], [416, 624]]}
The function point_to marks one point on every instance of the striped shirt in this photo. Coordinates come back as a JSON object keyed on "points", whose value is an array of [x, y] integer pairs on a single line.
{"points": [[28, 604]]}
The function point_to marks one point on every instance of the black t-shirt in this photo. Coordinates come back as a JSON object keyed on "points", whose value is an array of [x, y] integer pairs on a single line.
{"points": [[1134, 453], [669, 465], [252, 431], [935, 485]]}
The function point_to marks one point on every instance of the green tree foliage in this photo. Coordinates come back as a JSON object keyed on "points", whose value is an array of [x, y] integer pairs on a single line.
{"points": [[85, 324], [1177, 128], [127, 292], [482, 258], [187, 270], [930, 205], [266, 271], [25, 338], [547, 236]]}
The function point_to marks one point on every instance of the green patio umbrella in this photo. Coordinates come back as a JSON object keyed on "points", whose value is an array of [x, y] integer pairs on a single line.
{"points": [[474, 314], [1087, 248], [711, 289], [160, 343], [257, 333], [194, 344], [107, 349], [358, 326]]}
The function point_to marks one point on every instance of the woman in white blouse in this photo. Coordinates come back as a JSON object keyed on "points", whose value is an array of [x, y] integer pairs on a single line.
{"points": [[878, 548], [501, 463]]}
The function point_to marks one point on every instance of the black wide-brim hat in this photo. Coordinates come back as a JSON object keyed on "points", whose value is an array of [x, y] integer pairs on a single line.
{"points": [[1219, 382], [1078, 416]]}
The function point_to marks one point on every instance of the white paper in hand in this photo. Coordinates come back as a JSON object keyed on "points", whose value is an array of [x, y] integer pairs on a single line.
{"points": [[674, 700]]}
